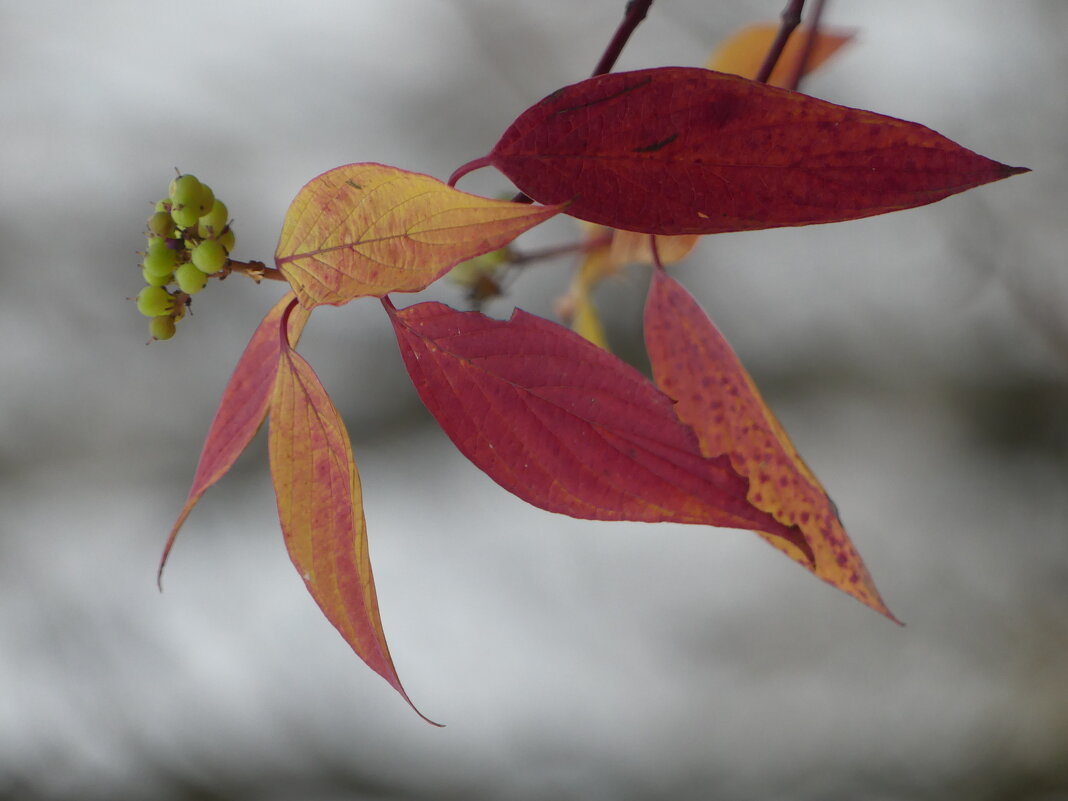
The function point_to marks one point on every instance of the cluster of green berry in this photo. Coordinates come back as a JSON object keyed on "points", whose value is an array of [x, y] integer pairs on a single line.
{"points": [[189, 239]]}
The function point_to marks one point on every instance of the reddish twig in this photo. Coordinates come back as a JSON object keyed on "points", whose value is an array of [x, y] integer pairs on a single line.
{"points": [[659, 265], [522, 259], [791, 18], [632, 18]]}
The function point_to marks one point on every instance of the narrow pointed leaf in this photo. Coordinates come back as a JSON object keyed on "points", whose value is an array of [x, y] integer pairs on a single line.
{"points": [[320, 507], [369, 229], [242, 409], [565, 425], [744, 52], [693, 364], [678, 150]]}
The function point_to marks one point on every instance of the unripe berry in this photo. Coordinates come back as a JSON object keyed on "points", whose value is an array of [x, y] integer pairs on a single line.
{"points": [[156, 280], [209, 256], [185, 216], [190, 279], [160, 259], [227, 240], [185, 190], [212, 223], [161, 327], [154, 301], [161, 224], [205, 199]]}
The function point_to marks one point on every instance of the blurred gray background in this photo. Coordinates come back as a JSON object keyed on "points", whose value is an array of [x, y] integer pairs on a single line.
{"points": [[919, 361]]}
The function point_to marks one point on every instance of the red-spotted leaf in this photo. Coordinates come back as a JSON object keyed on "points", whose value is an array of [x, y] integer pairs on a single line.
{"points": [[242, 409], [369, 229], [693, 364], [679, 150], [565, 425], [320, 506]]}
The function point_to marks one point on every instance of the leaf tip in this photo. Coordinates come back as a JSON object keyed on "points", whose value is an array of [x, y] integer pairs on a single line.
{"points": [[171, 538]]}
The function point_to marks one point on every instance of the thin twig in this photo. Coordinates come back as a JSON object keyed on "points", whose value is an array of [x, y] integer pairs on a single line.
{"points": [[256, 270], [522, 259], [812, 32], [632, 17], [791, 18]]}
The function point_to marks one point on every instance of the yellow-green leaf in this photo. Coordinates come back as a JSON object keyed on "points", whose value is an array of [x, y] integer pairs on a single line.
{"points": [[368, 229]]}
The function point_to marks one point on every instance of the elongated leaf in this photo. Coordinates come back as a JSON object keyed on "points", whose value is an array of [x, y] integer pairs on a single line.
{"points": [[566, 426], [741, 54], [693, 364], [320, 506], [369, 229], [744, 52], [677, 150], [242, 409]]}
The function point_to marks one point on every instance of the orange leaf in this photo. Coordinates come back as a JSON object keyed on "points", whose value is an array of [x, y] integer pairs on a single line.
{"points": [[320, 506], [693, 364], [744, 52], [629, 247], [242, 409], [369, 229]]}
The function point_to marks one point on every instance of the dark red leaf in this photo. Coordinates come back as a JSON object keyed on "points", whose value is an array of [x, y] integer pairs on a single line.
{"points": [[565, 425], [679, 150]]}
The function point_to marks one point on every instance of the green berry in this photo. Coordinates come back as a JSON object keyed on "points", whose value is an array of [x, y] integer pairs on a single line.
{"points": [[185, 190], [161, 327], [185, 216], [161, 223], [209, 256], [227, 240], [154, 301], [163, 205], [156, 280], [214, 221], [160, 259], [190, 279], [205, 200]]}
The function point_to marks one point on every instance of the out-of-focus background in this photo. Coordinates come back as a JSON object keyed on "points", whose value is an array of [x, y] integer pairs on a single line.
{"points": [[919, 360]]}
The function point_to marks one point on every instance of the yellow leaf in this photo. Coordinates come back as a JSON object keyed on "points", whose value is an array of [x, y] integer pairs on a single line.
{"points": [[320, 506], [368, 229]]}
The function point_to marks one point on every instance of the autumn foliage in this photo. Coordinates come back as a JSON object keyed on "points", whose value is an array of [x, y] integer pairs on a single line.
{"points": [[652, 159]]}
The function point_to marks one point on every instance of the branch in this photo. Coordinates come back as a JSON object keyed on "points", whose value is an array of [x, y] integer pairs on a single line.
{"points": [[632, 17], [256, 270], [812, 31], [791, 18], [522, 259]]}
